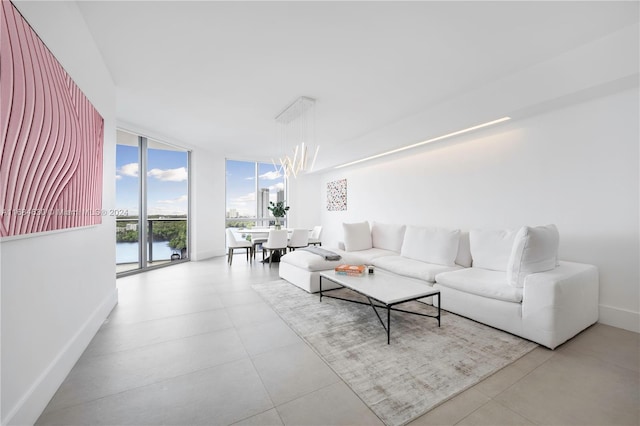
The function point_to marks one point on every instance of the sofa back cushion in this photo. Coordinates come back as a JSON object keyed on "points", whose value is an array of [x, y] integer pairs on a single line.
{"points": [[464, 251], [535, 250], [387, 237], [357, 236], [491, 248], [431, 245]]}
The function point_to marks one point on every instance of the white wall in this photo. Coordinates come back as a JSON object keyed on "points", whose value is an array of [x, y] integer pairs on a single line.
{"points": [[207, 204], [306, 206], [57, 288], [591, 70], [576, 167]]}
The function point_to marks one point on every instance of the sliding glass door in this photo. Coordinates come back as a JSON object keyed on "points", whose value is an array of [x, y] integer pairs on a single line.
{"points": [[152, 193], [127, 202], [250, 186]]}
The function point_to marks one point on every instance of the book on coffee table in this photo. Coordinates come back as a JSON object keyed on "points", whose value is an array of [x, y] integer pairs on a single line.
{"points": [[351, 270]]}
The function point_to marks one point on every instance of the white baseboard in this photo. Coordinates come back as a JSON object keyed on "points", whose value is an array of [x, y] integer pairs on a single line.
{"points": [[621, 318], [35, 400], [207, 254]]}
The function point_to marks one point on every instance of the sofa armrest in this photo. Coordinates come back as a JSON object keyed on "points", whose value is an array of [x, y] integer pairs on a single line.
{"points": [[558, 304]]}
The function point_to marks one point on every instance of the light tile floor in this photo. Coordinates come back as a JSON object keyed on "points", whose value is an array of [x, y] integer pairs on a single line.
{"points": [[194, 344]]}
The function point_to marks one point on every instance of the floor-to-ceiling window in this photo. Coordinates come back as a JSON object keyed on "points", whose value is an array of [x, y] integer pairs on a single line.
{"points": [[152, 198], [127, 202], [250, 186]]}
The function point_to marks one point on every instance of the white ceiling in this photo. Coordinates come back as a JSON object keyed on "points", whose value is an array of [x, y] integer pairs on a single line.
{"points": [[215, 74]]}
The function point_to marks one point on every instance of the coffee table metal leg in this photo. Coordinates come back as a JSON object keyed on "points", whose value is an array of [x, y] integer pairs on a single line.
{"points": [[388, 324], [387, 328]]}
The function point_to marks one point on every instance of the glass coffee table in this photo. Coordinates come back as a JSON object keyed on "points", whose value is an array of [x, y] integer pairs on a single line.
{"points": [[386, 289]]}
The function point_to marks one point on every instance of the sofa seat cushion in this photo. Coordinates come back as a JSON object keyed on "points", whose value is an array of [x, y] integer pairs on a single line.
{"points": [[309, 261], [481, 282], [412, 268]]}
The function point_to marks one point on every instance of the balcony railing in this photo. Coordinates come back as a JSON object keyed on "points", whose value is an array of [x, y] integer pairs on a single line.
{"points": [[158, 231], [253, 222]]}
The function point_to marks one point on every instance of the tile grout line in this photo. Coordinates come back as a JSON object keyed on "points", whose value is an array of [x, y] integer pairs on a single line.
{"points": [[493, 398], [320, 357], [252, 357], [108, 321], [145, 346], [497, 402], [165, 379], [255, 369], [602, 359], [155, 343]]}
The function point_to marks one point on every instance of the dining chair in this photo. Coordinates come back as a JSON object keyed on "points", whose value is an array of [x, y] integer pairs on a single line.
{"points": [[299, 238], [234, 244], [314, 237], [276, 241], [258, 239]]}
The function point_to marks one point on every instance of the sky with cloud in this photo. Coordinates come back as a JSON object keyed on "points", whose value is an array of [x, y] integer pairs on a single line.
{"points": [[241, 185], [167, 181]]}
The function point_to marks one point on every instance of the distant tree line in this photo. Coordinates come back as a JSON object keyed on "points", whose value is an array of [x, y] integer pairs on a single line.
{"points": [[248, 223], [240, 223], [173, 231]]}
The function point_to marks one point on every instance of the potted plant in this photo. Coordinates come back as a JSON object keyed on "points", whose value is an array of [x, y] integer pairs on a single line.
{"points": [[278, 210], [178, 244]]}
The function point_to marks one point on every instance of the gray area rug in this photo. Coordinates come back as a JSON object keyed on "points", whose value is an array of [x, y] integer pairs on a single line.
{"points": [[425, 364]]}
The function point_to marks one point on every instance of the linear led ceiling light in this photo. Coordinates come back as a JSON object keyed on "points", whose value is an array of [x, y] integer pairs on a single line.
{"points": [[439, 138]]}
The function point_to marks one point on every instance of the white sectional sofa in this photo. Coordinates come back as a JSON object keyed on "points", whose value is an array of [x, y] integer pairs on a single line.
{"points": [[508, 279]]}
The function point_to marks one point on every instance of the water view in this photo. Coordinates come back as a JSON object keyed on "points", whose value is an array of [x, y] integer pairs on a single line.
{"points": [[128, 252]]}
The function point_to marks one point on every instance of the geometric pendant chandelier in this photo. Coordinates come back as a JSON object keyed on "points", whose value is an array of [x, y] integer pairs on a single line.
{"points": [[295, 127]]}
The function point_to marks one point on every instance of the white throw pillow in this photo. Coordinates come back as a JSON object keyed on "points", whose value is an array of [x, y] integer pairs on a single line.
{"points": [[357, 236], [387, 237], [431, 245], [535, 250], [491, 248]]}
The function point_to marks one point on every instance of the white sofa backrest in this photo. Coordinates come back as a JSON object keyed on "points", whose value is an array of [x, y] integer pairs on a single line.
{"points": [[357, 236], [464, 250], [491, 248], [431, 245], [518, 252], [535, 250], [386, 236]]}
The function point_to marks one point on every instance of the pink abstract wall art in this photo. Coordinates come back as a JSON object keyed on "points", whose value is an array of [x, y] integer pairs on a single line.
{"points": [[52, 138]]}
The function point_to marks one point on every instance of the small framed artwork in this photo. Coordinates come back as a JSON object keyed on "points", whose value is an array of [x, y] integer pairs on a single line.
{"points": [[337, 195]]}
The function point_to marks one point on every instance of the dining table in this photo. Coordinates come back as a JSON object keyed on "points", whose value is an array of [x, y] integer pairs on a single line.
{"points": [[262, 233]]}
